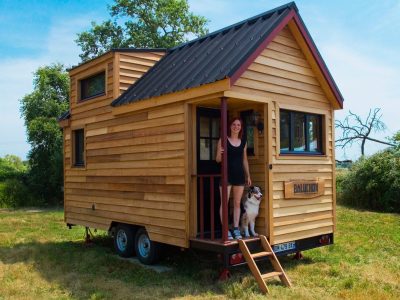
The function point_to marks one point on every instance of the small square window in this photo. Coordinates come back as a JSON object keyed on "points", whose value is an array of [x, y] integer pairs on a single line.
{"points": [[93, 86], [79, 147]]}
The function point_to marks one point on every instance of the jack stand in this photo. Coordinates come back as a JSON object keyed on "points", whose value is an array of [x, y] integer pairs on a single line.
{"points": [[88, 237], [224, 275], [298, 256]]}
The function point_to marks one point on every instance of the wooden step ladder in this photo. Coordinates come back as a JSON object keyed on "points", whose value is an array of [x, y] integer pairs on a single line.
{"points": [[268, 252]]}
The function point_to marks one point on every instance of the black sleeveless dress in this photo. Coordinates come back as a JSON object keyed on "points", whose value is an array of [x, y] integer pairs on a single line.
{"points": [[236, 174]]}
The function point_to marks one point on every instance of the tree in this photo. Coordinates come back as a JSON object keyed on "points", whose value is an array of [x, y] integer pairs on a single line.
{"points": [[11, 166], [40, 110], [355, 129], [148, 24]]}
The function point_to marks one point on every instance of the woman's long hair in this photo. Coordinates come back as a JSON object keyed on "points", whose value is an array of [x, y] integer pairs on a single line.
{"points": [[241, 129]]}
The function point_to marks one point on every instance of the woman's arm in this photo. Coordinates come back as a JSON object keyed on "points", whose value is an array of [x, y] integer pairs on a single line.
{"points": [[246, 166], [219, 151]]}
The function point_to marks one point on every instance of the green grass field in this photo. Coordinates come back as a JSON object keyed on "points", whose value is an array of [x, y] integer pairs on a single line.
{"points": [[41, 259]]}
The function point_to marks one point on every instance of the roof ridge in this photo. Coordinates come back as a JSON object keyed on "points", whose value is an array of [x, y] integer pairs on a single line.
{"points": [[240, 23]]}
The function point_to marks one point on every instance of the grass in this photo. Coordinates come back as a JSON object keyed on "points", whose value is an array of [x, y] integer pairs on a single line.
{"points": [[41, 259]]}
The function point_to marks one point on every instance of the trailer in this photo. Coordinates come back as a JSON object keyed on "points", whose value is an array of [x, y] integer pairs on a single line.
{"points": [[143, 126]]}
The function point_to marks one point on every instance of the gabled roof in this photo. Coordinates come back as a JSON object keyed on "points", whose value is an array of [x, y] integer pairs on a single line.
{"points": [[225, 53]]}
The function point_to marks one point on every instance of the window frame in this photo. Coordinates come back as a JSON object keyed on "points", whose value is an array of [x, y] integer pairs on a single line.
{"points": [[82, 80], [80, 164], [251, 152], [307, 151]]}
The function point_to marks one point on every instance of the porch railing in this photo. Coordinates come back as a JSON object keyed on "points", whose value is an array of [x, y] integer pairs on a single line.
{"points": [[212, 178]]}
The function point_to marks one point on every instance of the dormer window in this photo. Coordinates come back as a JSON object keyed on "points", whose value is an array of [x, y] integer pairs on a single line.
{"points": [[93, 86]]}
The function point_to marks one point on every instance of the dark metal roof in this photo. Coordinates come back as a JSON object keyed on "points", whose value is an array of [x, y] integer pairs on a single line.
{"points": [[120, 50], [64, 116], [207, 59]]}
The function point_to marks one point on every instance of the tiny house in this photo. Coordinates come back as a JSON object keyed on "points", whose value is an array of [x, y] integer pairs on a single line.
{"points": [[141, 135]]}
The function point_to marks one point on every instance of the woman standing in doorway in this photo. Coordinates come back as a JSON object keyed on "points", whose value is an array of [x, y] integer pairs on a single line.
{"points": [[238, 170]]}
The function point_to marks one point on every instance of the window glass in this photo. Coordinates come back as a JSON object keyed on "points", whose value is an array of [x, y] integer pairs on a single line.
{"points": [[313, 133], [299, 139], [214, 148], [93, 86], [79, 147], [285, 130], [248, 130], [204, 149], [204, 127], [215, 128]]}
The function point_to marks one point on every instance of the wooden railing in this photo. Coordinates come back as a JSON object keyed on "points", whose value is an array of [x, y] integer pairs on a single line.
{"points": [[212, 178]]}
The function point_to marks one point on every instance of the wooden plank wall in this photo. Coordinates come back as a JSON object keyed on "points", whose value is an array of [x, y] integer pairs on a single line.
{"points": [[283, 74], [133, 64], [134, 170]]}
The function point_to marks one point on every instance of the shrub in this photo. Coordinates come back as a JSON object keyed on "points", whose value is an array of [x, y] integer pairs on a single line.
{"points": [[372, 183], [14, 193]]}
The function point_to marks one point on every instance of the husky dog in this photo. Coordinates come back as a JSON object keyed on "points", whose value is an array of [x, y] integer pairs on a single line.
{"points": [[251, 205]]}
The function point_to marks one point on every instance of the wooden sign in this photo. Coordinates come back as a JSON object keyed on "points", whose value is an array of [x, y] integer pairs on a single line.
{"points": [[304, 188]]}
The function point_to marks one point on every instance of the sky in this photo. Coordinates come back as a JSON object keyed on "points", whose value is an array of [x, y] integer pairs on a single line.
{"points": [[359, 41]]}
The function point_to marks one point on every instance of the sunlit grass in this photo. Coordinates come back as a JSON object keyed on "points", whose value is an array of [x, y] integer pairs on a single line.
{"points": [[41, 259]]}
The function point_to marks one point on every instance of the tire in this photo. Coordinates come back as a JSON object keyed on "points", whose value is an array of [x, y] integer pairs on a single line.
{"points": [[147, 251], [124, 240]]}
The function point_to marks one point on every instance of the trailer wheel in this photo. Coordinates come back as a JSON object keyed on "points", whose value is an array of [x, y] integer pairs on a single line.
{"points": [[147, 251], [124, 240]]}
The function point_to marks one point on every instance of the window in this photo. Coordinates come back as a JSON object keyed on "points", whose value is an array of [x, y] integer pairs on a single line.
{"points": [[248, 130], [209, 136], [93, 86], [300, 132], [79, 147]]}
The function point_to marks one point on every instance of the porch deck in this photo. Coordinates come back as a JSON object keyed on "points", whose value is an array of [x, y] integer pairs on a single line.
{"points": [[219, 246]]}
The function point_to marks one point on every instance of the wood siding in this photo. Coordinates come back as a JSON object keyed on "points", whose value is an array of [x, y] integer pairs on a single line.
{"points": [[134, 164], [283, 75], [132, 65]]}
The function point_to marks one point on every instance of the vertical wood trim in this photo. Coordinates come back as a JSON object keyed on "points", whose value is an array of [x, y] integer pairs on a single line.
{"points": [[325, 137], [193, 171], [116, 77], [268, 112], [72, 148], [64, 171], [224, 177], [277, 130], [333, 170], [188, 169], [85, 147]]}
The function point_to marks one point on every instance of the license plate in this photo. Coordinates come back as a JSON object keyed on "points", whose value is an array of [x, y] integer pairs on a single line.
{"points": [[285, 247]]}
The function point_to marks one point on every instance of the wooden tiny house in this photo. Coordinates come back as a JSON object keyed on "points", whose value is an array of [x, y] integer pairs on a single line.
{"points": [[141, 135]]}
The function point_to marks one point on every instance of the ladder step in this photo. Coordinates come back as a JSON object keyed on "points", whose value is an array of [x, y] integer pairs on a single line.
{"points": [[261, 254], [270, 275]]}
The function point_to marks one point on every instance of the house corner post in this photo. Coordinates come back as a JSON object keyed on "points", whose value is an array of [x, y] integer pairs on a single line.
{"points": [[224, 168]]}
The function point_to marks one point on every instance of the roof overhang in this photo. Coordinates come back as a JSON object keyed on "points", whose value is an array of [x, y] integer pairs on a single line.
{"points": [[192, 93]]}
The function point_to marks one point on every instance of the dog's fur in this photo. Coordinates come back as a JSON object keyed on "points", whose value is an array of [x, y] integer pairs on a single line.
{"points": [[251, 205]]}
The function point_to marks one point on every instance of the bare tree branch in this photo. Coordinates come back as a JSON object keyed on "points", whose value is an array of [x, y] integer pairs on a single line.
{"points": [[355, 129]]}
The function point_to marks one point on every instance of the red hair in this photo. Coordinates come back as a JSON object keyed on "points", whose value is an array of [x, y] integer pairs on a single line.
{"points": [[241, 126]]}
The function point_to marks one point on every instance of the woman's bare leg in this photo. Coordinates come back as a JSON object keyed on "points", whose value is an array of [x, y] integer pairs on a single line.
{"points": [[237, 197]]}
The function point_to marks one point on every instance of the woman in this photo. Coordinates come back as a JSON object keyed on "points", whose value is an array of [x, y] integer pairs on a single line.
{"points": [[238, 170]]}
